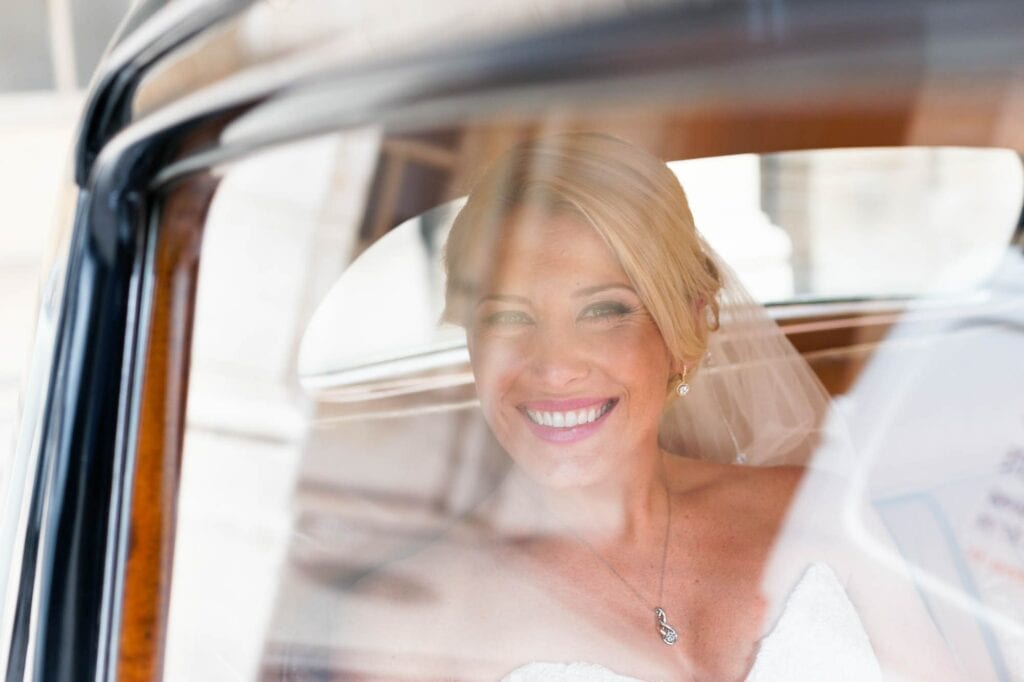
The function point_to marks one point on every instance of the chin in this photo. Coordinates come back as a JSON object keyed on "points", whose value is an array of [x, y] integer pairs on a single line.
{"points": [[555, 473]]}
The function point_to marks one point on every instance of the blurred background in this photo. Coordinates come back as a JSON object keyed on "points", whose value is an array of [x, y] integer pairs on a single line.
{"points": [[48, 52]]}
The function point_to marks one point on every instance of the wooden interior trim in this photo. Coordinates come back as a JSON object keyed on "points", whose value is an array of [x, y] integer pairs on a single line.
{"points": [[147, 578]]}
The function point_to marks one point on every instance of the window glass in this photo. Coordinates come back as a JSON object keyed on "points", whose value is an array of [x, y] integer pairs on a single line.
{"points": [[858, 223], [279, 232], [364, 495]]}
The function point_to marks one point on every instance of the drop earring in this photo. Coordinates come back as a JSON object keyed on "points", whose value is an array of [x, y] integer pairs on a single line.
{"points": [[682, 388]]}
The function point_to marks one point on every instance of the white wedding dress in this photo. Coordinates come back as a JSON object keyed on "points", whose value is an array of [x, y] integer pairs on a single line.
{"points": [[819, 636]]}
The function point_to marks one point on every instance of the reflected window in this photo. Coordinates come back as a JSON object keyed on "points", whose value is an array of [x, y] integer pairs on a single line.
{"points": [[858, 223], [342, 486]]}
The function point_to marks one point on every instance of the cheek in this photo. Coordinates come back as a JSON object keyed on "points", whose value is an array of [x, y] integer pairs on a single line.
{"points": [[495, 363], [639, 352], [639, 362]]}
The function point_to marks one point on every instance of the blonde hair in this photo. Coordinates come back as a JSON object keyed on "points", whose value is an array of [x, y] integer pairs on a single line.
{"points": [[629, 197]]}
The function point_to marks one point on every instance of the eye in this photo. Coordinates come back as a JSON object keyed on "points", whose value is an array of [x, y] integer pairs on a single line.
{"points": [[507, 318], [605, 310]]}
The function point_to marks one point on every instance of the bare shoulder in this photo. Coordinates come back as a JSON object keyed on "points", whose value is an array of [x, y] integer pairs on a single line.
{"points": [[750, 489]]}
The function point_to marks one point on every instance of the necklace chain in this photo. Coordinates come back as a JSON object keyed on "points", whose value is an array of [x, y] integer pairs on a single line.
{"points": [[664, 555], [668, 634]]}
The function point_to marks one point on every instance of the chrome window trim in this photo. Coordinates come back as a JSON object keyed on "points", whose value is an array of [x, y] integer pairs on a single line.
{"points": [[146, 35], [954, 40]]}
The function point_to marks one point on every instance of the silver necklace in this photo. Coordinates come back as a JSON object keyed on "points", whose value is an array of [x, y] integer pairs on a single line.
{"points": [[668, 633]]}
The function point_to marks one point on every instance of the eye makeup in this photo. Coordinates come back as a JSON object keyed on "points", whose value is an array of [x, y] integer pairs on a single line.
{"points": [[511, 318], [607, 310]]}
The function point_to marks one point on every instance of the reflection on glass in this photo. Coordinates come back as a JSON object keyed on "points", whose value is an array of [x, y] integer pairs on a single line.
{"points": [[386, 528], [618, 510], [938, 424], [396, 352], [825, 224], [854, 223]]}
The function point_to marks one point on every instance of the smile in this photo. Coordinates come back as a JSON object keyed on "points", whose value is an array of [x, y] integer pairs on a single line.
{"points": [[569, 419]]}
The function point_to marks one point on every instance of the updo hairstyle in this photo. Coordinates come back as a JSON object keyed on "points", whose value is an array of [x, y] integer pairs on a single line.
{"points": [[629, 197]]}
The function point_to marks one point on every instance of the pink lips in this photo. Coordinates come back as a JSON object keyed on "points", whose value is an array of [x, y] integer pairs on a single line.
{"points": [[565, 435]]}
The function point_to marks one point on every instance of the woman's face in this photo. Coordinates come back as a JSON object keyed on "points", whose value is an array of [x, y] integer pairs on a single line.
{"points": [[570, 368]]}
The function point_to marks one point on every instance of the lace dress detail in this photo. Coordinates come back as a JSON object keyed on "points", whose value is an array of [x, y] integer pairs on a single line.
{"points": [[819, 636]]}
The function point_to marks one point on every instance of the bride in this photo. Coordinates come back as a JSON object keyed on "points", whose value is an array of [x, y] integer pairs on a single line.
{"points": [[659, 522]]}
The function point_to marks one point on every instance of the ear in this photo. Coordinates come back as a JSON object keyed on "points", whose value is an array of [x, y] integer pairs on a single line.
{"points": [[700, 312]]}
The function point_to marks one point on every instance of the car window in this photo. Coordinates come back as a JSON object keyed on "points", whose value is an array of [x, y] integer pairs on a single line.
{"points": [[345, 499], [859, 223]]}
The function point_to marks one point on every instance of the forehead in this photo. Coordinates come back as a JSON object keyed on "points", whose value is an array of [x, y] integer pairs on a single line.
{"points": [[538, 244]]}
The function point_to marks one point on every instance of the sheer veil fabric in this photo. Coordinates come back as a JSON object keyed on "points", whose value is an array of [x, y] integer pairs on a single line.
{"points": [[754, 399]]}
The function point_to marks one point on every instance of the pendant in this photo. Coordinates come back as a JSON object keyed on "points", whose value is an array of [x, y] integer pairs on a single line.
{"points": [[667, 632]]}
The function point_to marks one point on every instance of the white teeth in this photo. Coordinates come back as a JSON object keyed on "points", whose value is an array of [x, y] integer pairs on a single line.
{"points": [[566, 420]]}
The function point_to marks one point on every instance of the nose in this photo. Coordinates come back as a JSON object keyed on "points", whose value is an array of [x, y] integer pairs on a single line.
{"points": [[558, 359]]}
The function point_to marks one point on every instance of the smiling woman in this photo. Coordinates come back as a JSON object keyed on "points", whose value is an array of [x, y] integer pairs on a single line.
{"points": [[570, 367], [625, 536]]}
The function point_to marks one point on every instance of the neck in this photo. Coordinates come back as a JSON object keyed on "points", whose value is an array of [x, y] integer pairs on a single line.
{"points": [[625, 511]]}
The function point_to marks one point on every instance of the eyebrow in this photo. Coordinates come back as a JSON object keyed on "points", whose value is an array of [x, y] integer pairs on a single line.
{"points": [[602, 287], [507, 298], [579, 293]]}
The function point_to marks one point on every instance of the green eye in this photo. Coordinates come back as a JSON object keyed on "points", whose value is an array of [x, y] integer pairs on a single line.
{"points": [[606, 309], [507, 318]]}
